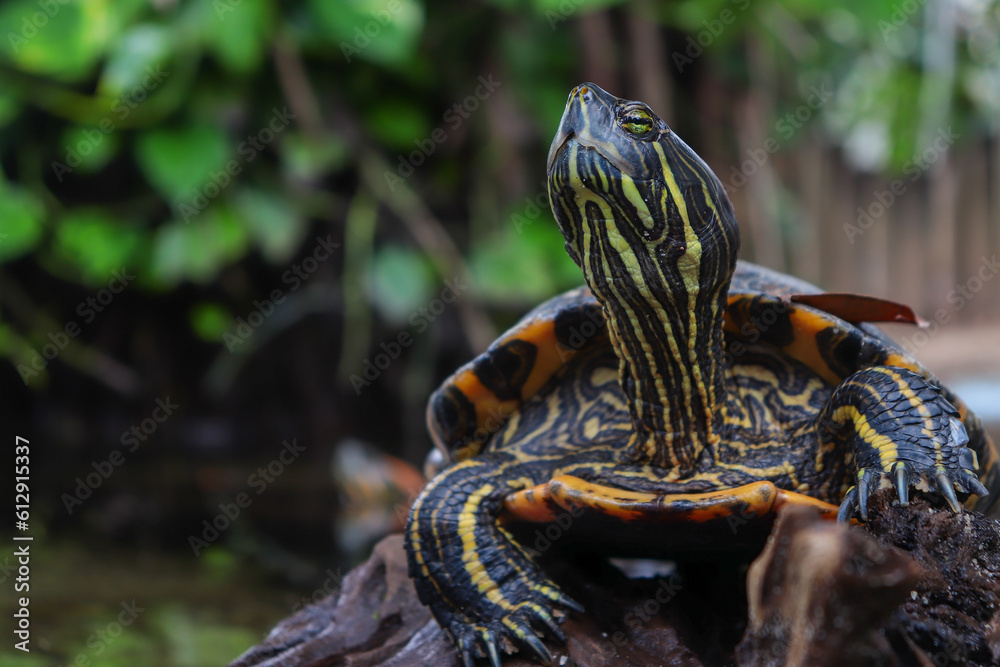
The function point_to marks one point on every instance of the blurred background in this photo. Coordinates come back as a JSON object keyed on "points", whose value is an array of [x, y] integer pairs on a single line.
{"points": [[241, 241]]}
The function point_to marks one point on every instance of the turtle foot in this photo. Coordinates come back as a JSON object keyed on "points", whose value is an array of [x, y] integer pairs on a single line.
{"points": [[481, 585], [937, 461], [905, 434], [520, 628]]}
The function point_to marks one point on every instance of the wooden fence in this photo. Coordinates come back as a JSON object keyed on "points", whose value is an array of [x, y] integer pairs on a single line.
{"points": [[930, 240]]}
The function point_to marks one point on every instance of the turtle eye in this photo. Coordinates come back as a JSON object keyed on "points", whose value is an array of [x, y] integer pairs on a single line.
{"points": [[636, 120]]}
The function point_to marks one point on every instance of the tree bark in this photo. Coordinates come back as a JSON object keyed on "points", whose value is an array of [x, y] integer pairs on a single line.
{"points": [[917, 585]]}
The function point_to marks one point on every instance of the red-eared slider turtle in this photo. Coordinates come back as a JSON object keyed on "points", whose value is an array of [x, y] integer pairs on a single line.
{"points": [[671, 406]]}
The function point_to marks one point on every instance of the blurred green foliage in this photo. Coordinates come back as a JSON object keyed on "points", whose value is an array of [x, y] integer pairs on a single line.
{"points": [[205, 144], [136, 133]]}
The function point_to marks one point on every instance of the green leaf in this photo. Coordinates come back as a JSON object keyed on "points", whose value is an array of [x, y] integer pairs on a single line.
{"points": [[95, 244], [6, 339], [400, 282], [88, 148], [525, 261], [61, 39], [20, 222], [181, 162], [191, 637], [9, 108], [274, 225], [398, 123], [210, 321], [29, 660], [127, 649], [240, 32], [197, 251], [567, 8], [305, 158], [140, 50], [694, 17], [381, 31]]}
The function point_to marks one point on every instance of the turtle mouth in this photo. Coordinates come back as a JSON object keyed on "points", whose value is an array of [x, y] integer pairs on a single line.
{"points": [[563, 137], [566, 138], [592, 151]]}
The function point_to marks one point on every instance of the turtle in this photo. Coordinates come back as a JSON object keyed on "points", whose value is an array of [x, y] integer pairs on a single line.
{"points": [[671, 405]]}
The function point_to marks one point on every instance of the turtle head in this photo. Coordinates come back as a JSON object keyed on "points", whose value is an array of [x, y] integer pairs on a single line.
{"points": [[652, 229], [633, 200]]}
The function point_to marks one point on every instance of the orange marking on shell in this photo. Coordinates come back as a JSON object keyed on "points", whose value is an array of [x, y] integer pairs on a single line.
{"points": [[534, 505], [550, 357], [573, 493], [474, 390], [805, 325], [804, 347], [790, 498]]}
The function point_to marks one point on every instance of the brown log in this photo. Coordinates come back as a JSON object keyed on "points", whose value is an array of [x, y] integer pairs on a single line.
{"points": [[917, 585], [820, 595]]}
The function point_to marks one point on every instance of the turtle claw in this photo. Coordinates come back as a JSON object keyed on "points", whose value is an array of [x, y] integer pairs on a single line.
{"points": [[856, 499], [545, 618], [946, 482], [972, 483], [493, 653], [519, 628], [569, 603], [904, 434], [864, 490], [947, 488], [902, 474], [538, 648], [848, 507], [468, 657]]}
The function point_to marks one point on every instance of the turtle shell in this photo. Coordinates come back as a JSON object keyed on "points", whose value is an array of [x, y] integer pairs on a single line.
{"points": [[828, 334]]}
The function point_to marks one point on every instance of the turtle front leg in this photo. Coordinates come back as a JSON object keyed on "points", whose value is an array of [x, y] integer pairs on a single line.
{"points": [[902, 432], [479, 583]]}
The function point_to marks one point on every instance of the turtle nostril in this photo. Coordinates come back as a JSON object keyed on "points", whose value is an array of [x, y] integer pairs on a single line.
{"points": [[584, 91]]}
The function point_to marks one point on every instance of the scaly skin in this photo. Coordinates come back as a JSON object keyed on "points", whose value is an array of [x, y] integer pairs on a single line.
{"points": [[679, 389]]}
